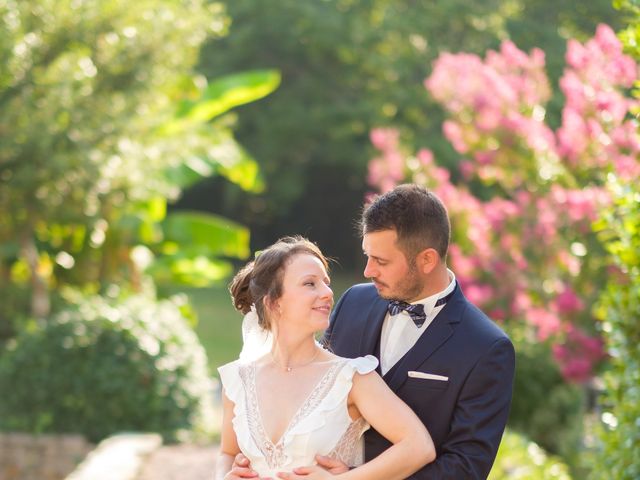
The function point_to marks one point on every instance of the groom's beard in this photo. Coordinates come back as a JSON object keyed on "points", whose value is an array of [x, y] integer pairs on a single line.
{"points": [[409, 288]]}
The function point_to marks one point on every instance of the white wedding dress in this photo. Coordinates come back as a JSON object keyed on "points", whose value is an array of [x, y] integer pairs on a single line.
{"points": [[322, 424]]}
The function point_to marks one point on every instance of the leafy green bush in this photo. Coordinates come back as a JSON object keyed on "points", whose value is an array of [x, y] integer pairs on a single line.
{"points": [[105, 366], [545, 408], [521, 459], [618, 456]]}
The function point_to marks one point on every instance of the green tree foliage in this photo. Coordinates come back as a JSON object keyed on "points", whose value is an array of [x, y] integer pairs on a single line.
{"points": [[102, 121], [631, 33], [619, 436], [545, 408], [620, 310], [521, 459], [104, 367], [348, 66]]}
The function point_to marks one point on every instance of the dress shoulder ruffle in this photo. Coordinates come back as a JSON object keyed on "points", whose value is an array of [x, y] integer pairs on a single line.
{"points": [[336, 399], [231, 381]]}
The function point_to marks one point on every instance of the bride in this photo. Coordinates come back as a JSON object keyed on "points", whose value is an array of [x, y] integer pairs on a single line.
{"points": [[286, 399]]}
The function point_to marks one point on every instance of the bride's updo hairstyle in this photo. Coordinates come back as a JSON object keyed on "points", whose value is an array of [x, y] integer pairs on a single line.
{"points": [[262, 278]]}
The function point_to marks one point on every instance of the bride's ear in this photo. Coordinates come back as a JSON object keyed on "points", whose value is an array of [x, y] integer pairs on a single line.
{"points": [[272, 306]]}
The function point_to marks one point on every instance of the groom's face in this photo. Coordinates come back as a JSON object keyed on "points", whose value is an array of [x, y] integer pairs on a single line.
{"points": [[388, 268]]}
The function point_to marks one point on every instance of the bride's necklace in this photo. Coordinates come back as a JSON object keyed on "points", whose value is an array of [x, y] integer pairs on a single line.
{"points": [[288, 368]]}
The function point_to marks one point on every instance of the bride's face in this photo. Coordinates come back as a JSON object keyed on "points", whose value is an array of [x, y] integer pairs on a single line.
{"points": [[306, 299]]}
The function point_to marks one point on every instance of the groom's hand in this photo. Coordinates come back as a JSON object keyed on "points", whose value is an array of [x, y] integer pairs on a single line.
{"points": [[326, 468], [331, 465], [306, 473]]}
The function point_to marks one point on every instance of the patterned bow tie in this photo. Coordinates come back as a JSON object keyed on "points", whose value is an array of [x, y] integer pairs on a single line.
{"points": [[416, 312]]}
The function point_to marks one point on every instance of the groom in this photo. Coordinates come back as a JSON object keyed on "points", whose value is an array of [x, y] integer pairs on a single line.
{"points": [[439, 353]]}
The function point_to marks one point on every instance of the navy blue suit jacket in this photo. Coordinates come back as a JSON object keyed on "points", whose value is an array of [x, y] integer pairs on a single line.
{"points": [[465, 415]]}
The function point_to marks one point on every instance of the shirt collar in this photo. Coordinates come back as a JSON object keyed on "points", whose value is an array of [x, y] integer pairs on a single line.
{"points": [[430, 301]]}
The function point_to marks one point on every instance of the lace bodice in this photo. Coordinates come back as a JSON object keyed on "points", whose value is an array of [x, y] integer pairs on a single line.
{"points": [[321, 425]]}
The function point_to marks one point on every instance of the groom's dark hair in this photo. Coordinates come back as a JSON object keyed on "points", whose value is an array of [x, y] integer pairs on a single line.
{"points": [[416, 214]]}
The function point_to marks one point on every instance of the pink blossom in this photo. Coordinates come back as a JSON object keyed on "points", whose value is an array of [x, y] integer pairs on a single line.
{"points": [[506, 244], [546, 228], [568, 302], [464, 265], [425, 157], [488, 119], [513, 55], [627, 167], [537, 59], [578, 355], [546, 322], [607, 40], [521, 302], [611, 106], [574, 91], [498, 210], [484, 157], [576, 369], [453, 132], [384, 138], [467, 169], [576, 56], [571, 263], [440, 175], [539, 137], [572, 135], [626, 137], [376, 171], [625, 70], [500, 268], [479, 294]]}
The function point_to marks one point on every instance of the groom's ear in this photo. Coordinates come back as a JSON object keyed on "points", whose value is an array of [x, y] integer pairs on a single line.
{"points": [[427, 260]]}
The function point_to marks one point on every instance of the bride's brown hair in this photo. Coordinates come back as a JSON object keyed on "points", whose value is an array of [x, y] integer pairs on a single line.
{"points": [[262, 278]]}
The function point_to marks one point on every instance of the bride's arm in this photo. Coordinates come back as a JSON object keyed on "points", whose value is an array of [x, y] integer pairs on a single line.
{"points": [[412, 445], [228, 442]]}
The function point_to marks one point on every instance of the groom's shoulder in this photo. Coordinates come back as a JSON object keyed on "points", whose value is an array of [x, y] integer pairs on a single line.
{"points": [[483, 328], [360, 292], [479, 325]]}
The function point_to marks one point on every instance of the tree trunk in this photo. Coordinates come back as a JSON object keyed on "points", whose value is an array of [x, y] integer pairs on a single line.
{"points": [[40, 301]]}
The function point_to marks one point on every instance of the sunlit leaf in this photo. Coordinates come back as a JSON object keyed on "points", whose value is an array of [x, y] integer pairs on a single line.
{"points": [[196, 272], [218, 235], [222, 95], [228, 92]]}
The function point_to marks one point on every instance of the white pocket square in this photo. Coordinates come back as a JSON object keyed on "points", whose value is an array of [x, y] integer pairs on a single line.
{"points": [[427, 376]]}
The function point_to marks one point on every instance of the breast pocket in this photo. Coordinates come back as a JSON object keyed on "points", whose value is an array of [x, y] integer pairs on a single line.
{"points": [[426, 384], [424, 396]]}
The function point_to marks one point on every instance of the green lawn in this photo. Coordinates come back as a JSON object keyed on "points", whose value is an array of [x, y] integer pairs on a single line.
{"points": [[219, 324]]}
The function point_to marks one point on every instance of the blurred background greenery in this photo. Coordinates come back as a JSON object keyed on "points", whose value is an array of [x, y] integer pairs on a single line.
{"points": [[148, 148]]}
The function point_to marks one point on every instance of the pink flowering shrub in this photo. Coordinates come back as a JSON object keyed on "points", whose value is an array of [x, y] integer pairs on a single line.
{"points": [[528, 255]]}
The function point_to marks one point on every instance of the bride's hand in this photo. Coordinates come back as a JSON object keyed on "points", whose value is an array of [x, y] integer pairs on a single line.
{"points": [[307, 473]]}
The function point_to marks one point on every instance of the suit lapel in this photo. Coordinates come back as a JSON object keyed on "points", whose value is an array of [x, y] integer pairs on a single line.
{"points": [[436, 334], [373, 326]]}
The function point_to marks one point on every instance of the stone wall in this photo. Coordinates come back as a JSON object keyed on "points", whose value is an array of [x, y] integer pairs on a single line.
{"points": [[40, 457]]}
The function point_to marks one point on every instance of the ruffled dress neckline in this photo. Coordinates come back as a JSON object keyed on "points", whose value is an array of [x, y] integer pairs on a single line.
{"points": [[321, 425]]}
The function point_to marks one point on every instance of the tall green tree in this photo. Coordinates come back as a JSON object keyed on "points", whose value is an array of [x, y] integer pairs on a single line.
{"points": [[348, 66], [620, 309], [102, 121], [619, 436]]}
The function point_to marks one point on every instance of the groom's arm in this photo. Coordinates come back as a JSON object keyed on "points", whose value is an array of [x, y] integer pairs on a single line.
{"points": [[479, 419]]}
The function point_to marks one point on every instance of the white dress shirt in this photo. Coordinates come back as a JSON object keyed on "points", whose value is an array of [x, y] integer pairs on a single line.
{"points": [[400, 333]]}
